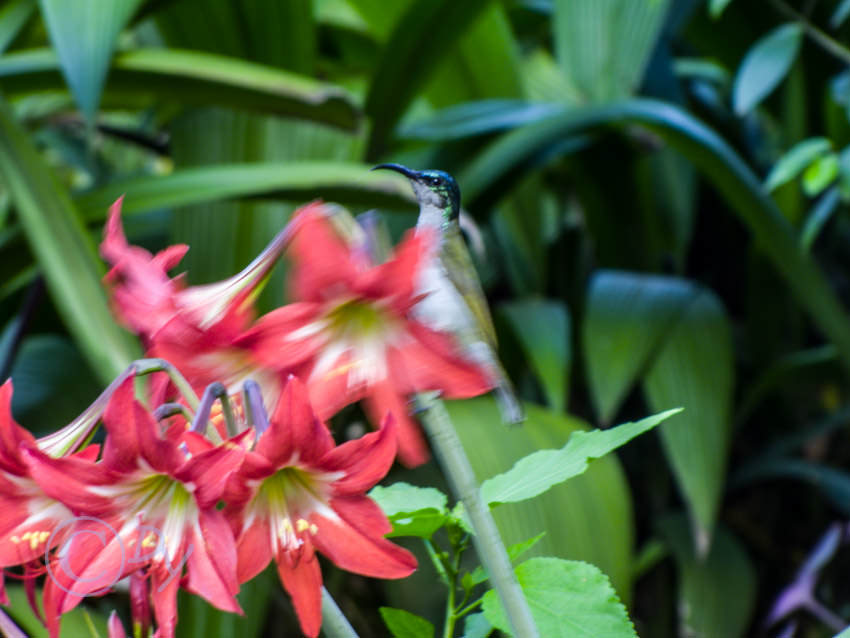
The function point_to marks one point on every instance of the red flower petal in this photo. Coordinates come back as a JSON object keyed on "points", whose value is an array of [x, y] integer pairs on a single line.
{"points": [[412, 447], [294, 429], [355, 541], [212, 562], [303, 582], [364, 461]]}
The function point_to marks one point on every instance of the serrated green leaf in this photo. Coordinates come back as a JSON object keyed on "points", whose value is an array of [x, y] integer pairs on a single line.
{"points": [[717, 592], [627, 318], [537, 472], [413, 511], [820, 174], [343, 182], [478, 575], [765, 65], [591, 513], [603, 46], [695, 369], [795, 161], [84, 34], [403, 624], [192, 78], [64, 251], [543, 329], [568, 599], [477, 626]]}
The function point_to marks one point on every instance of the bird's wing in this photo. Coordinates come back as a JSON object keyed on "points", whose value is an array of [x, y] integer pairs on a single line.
{"points": [[461, 272]]}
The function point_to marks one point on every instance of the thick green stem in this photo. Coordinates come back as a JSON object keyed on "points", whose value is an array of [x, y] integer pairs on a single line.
{"points": [[488, 542], [334, 622]]}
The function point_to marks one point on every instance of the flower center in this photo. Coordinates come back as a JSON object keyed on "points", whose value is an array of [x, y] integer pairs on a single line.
{"points": [[288, 497], [356, 318]]}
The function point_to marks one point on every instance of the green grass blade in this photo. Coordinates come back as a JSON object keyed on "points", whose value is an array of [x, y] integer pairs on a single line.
{"points": [[193, 78], [13, 17], [65, 253], [505, 159]]}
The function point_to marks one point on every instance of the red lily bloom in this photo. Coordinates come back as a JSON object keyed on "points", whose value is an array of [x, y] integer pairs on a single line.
{"points": [[30, 516], [193, 327], [147, 505], [296, 493], [352, 333]]}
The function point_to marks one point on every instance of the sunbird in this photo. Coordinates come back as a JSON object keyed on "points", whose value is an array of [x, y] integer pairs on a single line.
{"points": [[453, 299]]}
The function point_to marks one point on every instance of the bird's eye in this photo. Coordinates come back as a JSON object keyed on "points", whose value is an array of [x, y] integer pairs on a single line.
{"points": [[436, 181]]}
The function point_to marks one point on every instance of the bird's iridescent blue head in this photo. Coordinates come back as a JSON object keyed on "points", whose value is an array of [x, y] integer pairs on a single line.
{"points": [[432, 188]]}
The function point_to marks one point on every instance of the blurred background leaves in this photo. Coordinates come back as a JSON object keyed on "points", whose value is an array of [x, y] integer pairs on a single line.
{"points": [[660, 189]]}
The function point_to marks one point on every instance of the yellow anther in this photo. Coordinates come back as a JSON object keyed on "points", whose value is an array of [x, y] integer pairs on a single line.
{"points": [[302, 525], [287, 525], [149, 541], [314, 529], [15, 539]]}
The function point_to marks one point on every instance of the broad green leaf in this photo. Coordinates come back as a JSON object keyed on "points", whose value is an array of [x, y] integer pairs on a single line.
{"points": [[84, 33], [64, 251], [716, 593], [140, 76], [716, 7], [765, 65], [695, 369], [199, 619], [603, 46], [478, 575], [591, 513], [537, 472], [76, 623], [484, 63], [795, 161], [13, 16], [417, 45], [403, 624], [344, 182], [413, 511], [818, 217], [627, 318], [568, 599], [481, 117], [820, 174], [508, 158]]}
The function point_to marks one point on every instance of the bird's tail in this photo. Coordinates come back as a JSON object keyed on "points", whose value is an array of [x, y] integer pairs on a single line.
{"points": [[509, 405]]}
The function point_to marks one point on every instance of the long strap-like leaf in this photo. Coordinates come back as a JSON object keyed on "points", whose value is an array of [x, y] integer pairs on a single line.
{"points": [[64, 252], [712, 155]]}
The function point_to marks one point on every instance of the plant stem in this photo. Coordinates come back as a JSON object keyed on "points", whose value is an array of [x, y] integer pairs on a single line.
{"points": [[488, 542], [334, 622]]}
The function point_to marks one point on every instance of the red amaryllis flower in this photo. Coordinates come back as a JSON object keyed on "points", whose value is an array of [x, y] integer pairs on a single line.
{"points": [[296, 493], [193, 327], [30, 518], [352, 333], [149, 505]]}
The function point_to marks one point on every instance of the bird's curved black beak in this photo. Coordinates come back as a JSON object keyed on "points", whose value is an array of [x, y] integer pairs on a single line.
{"points": [[398, 168]]}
